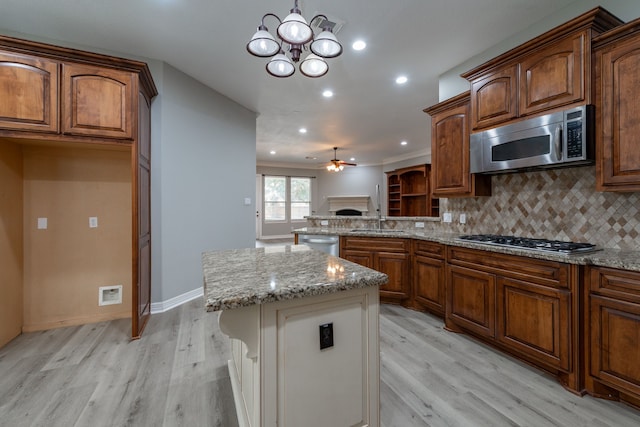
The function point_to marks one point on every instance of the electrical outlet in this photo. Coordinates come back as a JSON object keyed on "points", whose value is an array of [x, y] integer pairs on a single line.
{"points": [[446, 217], [419, 224], [463, 218], [93, 222], [326, 336], [42, 223], [324, 222], [247, 201]]}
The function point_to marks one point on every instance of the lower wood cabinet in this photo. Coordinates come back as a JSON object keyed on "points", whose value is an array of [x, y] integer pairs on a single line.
{"points": [[613, 324], [428, 284], [388, 255], [526, 306]]}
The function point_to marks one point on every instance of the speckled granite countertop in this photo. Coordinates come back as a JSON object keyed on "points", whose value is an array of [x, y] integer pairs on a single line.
{"points": [[614, 258], [242, 277]]}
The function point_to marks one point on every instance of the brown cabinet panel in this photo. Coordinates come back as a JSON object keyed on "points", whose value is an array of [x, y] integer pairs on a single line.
{"points": [[429, 283], [396, 266], [450, 175], [364, 258], [534, 321], [615, 343], [29, 93], [495, 98], [98, 101], [553, 76], [471, 300], [618, 127]]}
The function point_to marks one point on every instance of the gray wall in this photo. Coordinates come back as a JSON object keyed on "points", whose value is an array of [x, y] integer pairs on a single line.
{"points": [[203, 166]]}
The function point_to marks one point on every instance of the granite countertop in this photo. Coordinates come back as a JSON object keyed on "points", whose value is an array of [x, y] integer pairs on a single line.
{"points": [[614, 258], [242, 277]]}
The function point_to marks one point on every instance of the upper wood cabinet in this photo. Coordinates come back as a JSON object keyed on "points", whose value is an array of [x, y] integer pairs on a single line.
{"points": [[29, 93], [450, 151], [409, 192], [545, 73], [98, 101], [617, 90]]}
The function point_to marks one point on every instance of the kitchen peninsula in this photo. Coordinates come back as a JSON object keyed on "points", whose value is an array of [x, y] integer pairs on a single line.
{"points": [[304, 335]]}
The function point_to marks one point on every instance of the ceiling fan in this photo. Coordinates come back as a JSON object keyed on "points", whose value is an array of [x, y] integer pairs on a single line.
{"points": [[336, 165]]}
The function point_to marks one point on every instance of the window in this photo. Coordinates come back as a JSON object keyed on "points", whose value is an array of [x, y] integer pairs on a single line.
{"points": [[286, 198]]}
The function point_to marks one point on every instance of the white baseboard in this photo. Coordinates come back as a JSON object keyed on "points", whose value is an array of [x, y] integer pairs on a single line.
{"points": [[160, 307]]}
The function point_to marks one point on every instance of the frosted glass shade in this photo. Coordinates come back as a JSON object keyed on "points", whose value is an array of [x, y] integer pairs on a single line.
{"points": [[263, 44], [326, 45], [280, 66], [295, 30], [314, 66]]}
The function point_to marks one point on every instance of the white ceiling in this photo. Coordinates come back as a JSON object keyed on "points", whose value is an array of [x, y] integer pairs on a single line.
{"points": [[369, 114]]}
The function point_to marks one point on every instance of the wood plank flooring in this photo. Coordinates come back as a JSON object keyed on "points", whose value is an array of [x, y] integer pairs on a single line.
{"points": [[176, 375]]}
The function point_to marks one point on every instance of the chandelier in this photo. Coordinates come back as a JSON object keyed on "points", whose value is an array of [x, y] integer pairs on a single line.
{"points": [[294, 33]]}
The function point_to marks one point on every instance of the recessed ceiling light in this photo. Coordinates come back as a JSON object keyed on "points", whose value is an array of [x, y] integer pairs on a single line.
{"points": [[272, 152], [359, 45], [327, 93], [401, 80], [353, 159], [302, 130], [404, 143]]}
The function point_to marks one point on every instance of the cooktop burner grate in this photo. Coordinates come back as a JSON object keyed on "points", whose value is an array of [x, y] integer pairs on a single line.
{"points": [[531, 243]]}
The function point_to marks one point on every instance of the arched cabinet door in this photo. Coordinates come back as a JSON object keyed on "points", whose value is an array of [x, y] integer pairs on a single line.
{"points": [[29, 93], [98, 102]]}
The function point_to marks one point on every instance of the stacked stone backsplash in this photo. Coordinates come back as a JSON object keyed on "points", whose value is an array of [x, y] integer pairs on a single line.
{"points": [[552, 204], [555, 204]]}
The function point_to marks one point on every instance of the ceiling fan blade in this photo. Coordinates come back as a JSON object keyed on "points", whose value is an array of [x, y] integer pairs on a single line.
{"points": [[347, 163]]}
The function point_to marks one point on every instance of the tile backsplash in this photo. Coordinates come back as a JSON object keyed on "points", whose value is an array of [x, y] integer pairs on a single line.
{"points": [[555, 204]]}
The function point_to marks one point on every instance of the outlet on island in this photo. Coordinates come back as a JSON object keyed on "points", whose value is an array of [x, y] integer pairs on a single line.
{"points": [[326, 336]]}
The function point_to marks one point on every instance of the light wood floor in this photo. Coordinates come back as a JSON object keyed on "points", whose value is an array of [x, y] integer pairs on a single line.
{"points": [[176, 375]]}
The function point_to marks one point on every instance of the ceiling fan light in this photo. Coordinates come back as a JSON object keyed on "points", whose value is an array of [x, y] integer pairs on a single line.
{"points": [[280, 66], [263, 44], [326, 45], [314, 66], [294, 29]]}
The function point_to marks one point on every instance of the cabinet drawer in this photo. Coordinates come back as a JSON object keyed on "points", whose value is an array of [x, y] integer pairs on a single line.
{"points": [[543, 272], [430, 249], [376, 243], [624, 285]]}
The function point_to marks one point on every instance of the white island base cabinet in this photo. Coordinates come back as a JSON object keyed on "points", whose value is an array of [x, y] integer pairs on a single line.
{"points": [[281, 377]]}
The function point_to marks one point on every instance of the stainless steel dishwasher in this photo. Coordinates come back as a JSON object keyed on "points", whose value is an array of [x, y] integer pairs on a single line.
{"points": [[324, 243]]}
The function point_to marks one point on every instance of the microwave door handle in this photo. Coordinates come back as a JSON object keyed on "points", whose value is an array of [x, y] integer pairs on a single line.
{"points": [[558, 142]]}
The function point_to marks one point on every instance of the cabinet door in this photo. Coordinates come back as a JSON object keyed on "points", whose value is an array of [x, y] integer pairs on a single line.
{"points": [[29, 93], [494, 98], [429, 283], [98, 101], [615, 343], [534, 321], [553, 76], [450, 152], [618, 127], [364, 258], [397, 267], [471, 300]]}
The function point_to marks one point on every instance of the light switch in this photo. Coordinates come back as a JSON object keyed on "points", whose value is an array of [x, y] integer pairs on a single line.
{"points": [[446, 217], [93, 222], [42, 223], [419, 224], [247, 201], [463, 218]]}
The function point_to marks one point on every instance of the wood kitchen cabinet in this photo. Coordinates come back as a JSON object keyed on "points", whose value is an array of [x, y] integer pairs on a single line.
{"points": [[388, 255], [409, 192], [526, 306], [617, 90], [98, 101], [428, 284], [29, 93], [550, 71], [450, 151], [613, 333], [61, 109]]}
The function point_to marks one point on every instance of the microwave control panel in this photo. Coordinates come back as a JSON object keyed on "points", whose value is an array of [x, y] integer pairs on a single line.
{"points": [[574, 139]]}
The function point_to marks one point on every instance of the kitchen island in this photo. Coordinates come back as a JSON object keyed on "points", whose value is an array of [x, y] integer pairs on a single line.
{"points": [[304, 335]]}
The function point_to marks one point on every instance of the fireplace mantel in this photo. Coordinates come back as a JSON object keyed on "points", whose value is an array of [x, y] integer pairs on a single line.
{"points": [[359, 203]]}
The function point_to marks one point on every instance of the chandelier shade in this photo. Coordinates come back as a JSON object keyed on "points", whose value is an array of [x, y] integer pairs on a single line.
{"points": [[297, 36], [314, 66]]}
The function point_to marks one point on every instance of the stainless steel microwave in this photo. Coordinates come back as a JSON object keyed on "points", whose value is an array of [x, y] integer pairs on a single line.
{"points": [[558, 139]]}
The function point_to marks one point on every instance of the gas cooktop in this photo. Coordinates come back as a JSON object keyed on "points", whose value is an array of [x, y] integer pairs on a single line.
{"points": [[532, 244]]}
